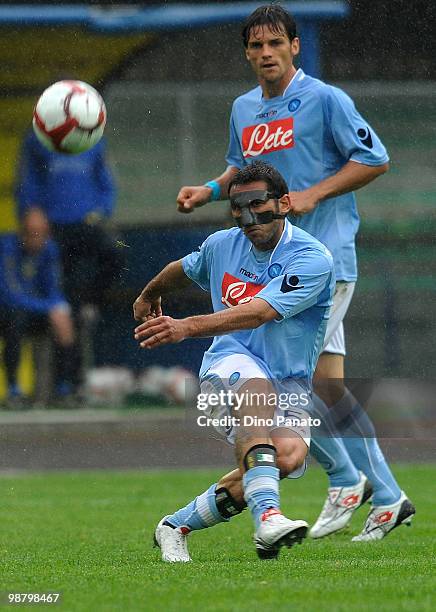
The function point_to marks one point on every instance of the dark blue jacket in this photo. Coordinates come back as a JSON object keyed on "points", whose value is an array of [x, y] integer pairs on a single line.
{"points": [[29, 282], [66, 187]]}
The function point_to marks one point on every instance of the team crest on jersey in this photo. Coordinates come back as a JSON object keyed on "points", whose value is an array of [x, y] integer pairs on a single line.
{"points": [[294, 105], [265, 138], [234, 378], [274, 270], [234, 291]]}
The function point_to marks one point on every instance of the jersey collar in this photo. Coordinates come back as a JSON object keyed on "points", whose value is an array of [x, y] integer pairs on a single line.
{"points": [[298, 76]]}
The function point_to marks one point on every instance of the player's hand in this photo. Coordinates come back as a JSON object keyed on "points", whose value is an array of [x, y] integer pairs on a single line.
{"points": [[159, 331], [193, 197], [302, 202], [144, 309]]}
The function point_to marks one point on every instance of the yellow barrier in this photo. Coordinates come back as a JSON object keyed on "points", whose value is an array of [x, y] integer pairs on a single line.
{"points": [[26, 377]]}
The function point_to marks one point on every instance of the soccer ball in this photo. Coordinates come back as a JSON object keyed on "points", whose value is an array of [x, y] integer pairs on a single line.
{"points": [[69, 117]]}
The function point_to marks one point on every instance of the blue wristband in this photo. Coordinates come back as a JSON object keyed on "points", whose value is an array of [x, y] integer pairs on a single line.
{"points": [[216, 190]]}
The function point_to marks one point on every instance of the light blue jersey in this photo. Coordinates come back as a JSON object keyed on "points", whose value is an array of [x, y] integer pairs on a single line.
{"points": [[308, 134], [297, 280]]}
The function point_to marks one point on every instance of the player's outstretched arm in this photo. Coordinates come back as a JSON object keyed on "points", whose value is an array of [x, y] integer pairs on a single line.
{"points": [[166, 330], [350, 177], [192, 197], [148, 304]]}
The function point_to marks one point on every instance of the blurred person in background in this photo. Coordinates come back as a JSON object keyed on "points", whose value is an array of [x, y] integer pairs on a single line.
{"points": [[77, 194], [313, 134], [31, 301]]}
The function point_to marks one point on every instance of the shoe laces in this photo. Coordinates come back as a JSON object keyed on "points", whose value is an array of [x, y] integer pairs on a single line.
{"points": [[269, 513]]}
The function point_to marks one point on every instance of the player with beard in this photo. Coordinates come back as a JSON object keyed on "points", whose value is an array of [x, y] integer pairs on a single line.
{"points": [[267, 336]]}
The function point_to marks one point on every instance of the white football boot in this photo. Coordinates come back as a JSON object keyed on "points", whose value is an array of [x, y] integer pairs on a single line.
{"points": [[339, 507], [382, 519], [172, 543], [275, 531]]}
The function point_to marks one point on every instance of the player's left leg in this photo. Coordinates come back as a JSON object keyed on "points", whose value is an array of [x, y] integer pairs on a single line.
{"points": [[362, 447], [383, 519], [390, 506], [346, 484], [359, 439], [337, 454], [219, 503], [348, 488]]}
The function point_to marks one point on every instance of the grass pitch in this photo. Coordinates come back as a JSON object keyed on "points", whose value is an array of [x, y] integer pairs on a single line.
{"points": [[88, 535]]}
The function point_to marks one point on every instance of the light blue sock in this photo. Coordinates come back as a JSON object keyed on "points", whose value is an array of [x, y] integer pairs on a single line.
{"points": [[330, 451], [365, 451], [261, 490], [200, 513], [333, 457], [368, 457]]}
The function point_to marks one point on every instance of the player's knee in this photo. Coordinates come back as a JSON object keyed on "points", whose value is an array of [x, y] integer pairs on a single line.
{"points": [[291, 457], [260, 455]]}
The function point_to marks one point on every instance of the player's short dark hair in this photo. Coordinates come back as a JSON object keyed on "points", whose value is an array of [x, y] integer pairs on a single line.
{"points": [[261, 171], [272, 15]]}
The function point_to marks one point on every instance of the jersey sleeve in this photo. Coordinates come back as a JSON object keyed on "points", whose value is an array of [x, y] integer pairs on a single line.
{"points": [[307, 280], [234, 155], [196, 265], [354, 137]]}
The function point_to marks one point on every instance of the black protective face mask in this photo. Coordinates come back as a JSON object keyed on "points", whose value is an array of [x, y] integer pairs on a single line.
{"points": [[245, 199]]}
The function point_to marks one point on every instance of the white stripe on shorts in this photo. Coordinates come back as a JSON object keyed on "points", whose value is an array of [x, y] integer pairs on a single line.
{"points": [[334, 341]]}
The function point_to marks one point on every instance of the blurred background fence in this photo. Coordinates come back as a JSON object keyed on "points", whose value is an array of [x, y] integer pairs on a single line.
{"points": [[163, 135], [176, 133]]}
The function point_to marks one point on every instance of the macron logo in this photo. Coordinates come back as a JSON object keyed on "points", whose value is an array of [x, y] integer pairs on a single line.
{"points": [[251, 275]]}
